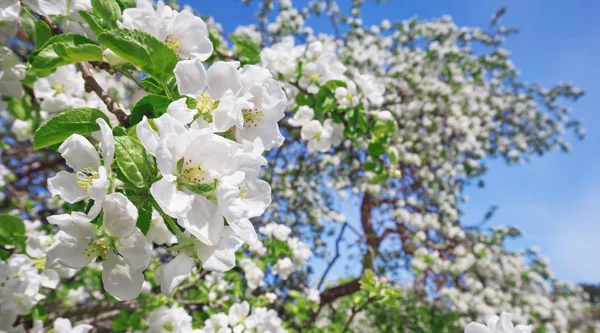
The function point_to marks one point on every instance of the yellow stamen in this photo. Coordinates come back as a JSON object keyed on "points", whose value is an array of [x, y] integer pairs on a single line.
{"points": [[252, 117], [59, 88], [205, 103], [174, 43], [193, 174], [97, 249], [85, 178]]}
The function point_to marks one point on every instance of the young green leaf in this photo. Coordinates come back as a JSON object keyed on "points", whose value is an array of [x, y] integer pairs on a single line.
{"points": [[96, 23], [60, 127], [62, 50], [143, 51], [248, 50], [12, 230], [42, 33], [151, 106], [133, 161], [108, 10]]}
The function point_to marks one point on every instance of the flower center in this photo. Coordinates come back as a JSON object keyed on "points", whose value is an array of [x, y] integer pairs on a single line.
{"points": [[59, 88], [85, 177], [318, 135], [205, 103], [98, 248], [314, 77], [252, 117], [193, 174], [173, 43], [243, 192], [168, 326]]}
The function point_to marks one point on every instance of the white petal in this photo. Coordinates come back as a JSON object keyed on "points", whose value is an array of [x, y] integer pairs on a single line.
{"points": [[193, 33], [244, 229], [223, 76], [220, 258], [79, 153], [47, 7], [50, 278], [203, 220], [173, 202], [120, 215], [477, 328], [107, 145], [75, 224], [148, 137], [67, 251], [10, 10], [168, 125], [229, 112], [181, 112], [99, 185], [62, 325], [135, 249], [64, 184], [190, 76], [120, 279], [165, 160], [174, 273]]}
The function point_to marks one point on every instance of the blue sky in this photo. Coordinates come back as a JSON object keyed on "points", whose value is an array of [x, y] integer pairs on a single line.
{"points": [[555, 199]]}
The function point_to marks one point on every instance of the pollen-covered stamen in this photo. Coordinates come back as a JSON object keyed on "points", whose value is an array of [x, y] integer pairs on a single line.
{"points": [[85, 178], [205, 103], [97, 249], [314, 77], [252, 117], [59, 88], [193, 174], [174, 43], [243, 192]]}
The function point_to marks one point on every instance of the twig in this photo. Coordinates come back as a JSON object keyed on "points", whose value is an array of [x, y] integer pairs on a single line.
{"points": [[90, 82], [337, 255], [92, 85]]}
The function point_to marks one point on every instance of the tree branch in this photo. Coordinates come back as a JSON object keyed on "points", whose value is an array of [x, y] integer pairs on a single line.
{"points": [[92, 85]]}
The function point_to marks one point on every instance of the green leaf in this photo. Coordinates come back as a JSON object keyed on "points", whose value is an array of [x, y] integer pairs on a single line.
{"points": [[59, 128], [96, 23], [143, 51], [133, 161], [152, 86], [124, 4], [42, 33], [144, 217], [304, 99], [12, 230], [62, 50], [248, 50], [200, 188], [108, 10], [151, 106], [18, 108]]}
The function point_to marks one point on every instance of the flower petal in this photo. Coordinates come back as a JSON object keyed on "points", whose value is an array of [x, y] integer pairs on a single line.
{"points": [[220, 258], [181, 112], [173, 202], [136, 249], [67, 251], [120, 215], [107, 145], [75, 224], [148, 137], [174, 273], [79, 153], [190, 76], [203, 220], [120, 279], [223, 76], [64, 184]]}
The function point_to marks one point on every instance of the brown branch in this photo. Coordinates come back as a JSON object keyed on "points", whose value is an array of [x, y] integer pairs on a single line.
{"points": [[337, 255], [336, 292], [90, 82], [367, 224], [92, 85]]}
